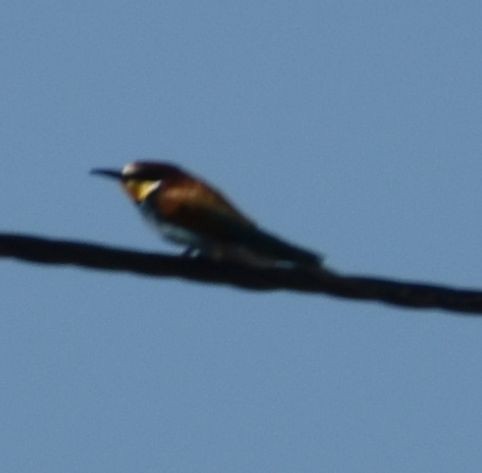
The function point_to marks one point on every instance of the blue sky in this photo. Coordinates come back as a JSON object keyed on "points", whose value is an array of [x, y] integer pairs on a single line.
{"points": [[352, 128]]}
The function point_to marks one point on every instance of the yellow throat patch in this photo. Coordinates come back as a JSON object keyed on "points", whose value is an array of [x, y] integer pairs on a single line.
{"points": [[139, 190]]}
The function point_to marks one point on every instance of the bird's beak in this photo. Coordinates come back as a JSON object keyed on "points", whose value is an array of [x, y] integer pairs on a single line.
{"points": [[107, 173]]}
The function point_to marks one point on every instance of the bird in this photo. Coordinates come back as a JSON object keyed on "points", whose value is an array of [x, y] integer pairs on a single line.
{"points": [[188, 211]]}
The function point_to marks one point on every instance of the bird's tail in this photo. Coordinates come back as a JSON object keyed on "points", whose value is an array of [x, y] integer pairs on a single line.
{"points": [[269, 246]]}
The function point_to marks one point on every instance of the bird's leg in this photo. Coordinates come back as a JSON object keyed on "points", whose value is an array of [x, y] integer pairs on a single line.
{"points": [[191, 252]]}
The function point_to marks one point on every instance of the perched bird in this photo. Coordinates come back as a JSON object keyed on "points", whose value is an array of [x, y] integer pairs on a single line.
{"points": [[190, 212]]}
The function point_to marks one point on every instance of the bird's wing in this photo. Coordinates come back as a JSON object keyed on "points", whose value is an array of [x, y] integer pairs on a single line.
{"points": [[199, 208], [204, 211]]}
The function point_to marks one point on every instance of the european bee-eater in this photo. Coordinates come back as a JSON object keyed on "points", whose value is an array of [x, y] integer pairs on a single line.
{"points": [[188, 211]]}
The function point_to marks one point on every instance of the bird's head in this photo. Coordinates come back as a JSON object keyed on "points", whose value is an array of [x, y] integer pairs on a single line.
{"points": [[141, 178]]}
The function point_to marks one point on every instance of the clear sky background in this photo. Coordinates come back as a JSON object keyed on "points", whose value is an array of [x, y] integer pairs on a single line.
{"points": [[352, 128]]}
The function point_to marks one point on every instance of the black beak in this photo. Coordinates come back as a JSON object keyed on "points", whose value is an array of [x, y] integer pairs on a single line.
{"points": [[108, 173]]}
